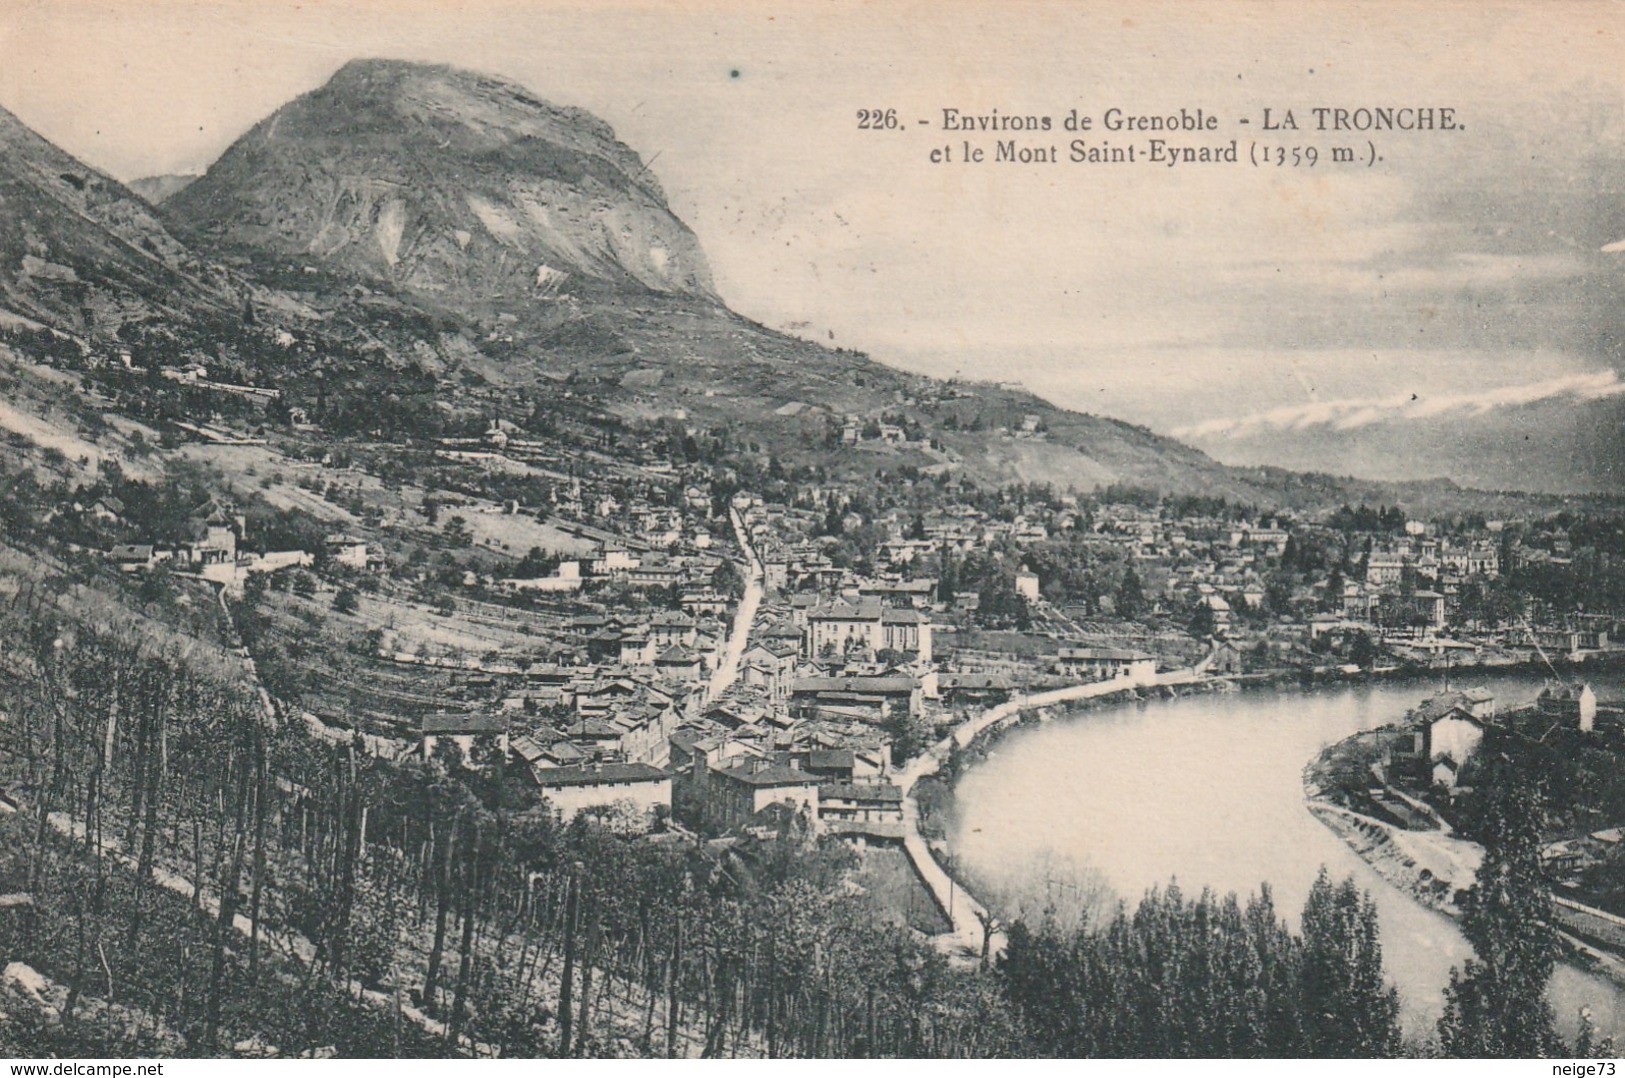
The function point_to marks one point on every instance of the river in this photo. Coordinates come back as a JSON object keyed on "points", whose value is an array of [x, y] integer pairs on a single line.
{"points": [[1208, 790]]}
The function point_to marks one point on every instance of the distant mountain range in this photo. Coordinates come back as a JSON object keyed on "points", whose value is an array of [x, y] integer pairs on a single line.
{"points": [[1565, 443], [456, 225]]}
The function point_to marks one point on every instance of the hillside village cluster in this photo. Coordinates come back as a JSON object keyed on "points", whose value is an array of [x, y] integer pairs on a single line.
{"points": [[761, 667]]}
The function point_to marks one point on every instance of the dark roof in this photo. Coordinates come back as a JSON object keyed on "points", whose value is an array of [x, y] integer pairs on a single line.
{"points": [[451, 723], [527, 748], [1104, 654], [564, 750], [598, 774], [753, 773], [902, 587], [1562, 691], [866, 609], [675, 655], [855, 684], [974, 681], [593, 728], [830, 760], [1446, 702], [859, 791], [687, 738], [869, 828]]}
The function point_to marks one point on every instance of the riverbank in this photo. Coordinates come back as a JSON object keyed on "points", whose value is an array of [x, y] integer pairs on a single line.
{"points": [[1609, 663], [975, 932], [1434, 866], [1431, 872]]}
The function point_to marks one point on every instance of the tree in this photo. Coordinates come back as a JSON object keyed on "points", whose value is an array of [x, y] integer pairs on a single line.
{"points": [[728, 581], [1495, 1006], [909, 734], [1203, 624], [1001, 606], [947, 579], [457, 532], [1362, 650], [1130, 596], [1207, 978], [345, 601], [1350, 1011]]}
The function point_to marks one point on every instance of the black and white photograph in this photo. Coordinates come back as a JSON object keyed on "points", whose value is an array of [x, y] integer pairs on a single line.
{"points": [[1048, 529]]}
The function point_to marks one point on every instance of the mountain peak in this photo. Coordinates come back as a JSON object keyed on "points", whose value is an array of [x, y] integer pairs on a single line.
{"points": [[458, 188]]}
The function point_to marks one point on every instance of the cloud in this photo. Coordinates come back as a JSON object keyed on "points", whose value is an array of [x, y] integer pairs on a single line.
{"points": [[1354, 413]]}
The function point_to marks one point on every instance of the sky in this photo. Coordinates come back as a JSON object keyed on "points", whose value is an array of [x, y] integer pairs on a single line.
{"points": [[1463, 274]]}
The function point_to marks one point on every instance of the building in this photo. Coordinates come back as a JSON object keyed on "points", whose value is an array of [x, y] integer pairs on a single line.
{"points": [[737, 792], [1384, 569], [841, 626], [566, 578], [1027, 585], [346, 550], [132, 556], [1452, 728], [678, 664], [473, 733], [961, 688], [866, 808], [769, 668], [646, 789], [1569, 702], [1573, 644], [668, 628], [868, 699], [1430, 605], [212, 543], [1103, 664]]}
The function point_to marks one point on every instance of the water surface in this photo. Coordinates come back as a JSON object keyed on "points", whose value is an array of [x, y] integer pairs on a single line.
{"points": [[1208, 789]]}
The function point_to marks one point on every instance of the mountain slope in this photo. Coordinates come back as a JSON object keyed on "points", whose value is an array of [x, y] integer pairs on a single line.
{"points": [[550, 243], [436, 236], [80, 252], [159, 189], [463, 191]]}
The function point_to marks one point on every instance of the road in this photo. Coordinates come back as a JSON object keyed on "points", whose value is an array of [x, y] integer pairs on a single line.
{"points": [[965, 914], [733, 651]]}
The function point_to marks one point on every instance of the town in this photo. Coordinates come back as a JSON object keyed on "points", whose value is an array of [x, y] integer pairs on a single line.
{"points": [[448, 616], [653, 644]]}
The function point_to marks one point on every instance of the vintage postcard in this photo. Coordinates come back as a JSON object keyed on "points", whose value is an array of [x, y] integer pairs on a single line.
{"points": [[657, 530]]}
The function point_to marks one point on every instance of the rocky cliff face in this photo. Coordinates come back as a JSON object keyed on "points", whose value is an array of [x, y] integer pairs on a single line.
{"points": [[461, 190], [80, 252]]}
